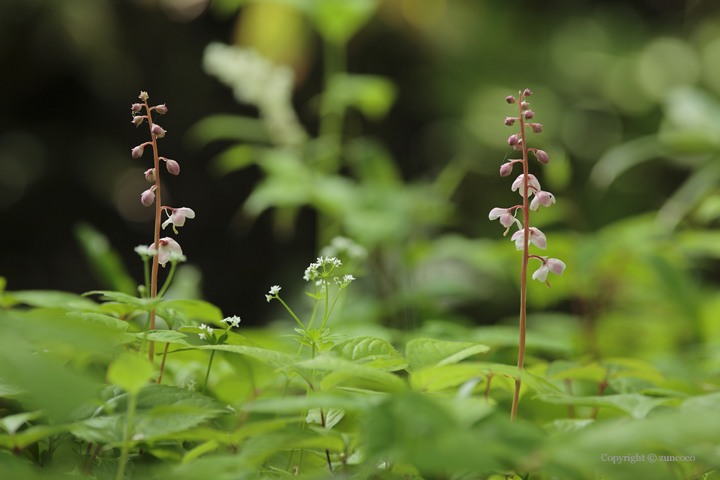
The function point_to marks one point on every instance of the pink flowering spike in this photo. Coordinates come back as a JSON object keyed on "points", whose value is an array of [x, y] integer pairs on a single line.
{"points": [[168, 247], [542, 156], [506, 169], [533, 185], [537, 238], [148, 197], [513, 140], [542, 198], [178, 218]]}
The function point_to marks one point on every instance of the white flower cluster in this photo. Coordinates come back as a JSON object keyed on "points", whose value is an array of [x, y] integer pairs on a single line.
{"points": [[234, 321], [258, 81], [207, 329], [326, 263], [274, 290], [344, 281]]}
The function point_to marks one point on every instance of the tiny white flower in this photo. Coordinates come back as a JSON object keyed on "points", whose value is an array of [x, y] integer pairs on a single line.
{"points": [[202, 336], [234, 321], [138, 436], [203, 326], [268, 297], [191, 385], [274, 290]]}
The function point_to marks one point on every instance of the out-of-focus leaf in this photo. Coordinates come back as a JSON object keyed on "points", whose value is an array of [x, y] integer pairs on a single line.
{"points": [[104, 260], [383, 380], [11, 423], [635, 405], [165, 336], [234, 158], [619, 159], [130, 372], [338, 20], [697, 186], [371, 94], [357, 348], [146, 304], [422, 352], [226, 127], [592, 372], [296, 405], [54, 299], [198, 310], [102, 319], [332, 416], [21, 440]]}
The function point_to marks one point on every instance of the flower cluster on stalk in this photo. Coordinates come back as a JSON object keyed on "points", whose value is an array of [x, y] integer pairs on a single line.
{"points": [[526, 185], [167, 249]]}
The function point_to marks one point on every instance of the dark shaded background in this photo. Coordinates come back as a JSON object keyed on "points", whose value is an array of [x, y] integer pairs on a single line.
{"points": [[71, 70]]}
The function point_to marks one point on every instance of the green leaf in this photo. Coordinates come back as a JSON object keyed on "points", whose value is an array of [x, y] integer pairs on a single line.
{"points": [[619, 159], [383, 380], [633, 404], [361, 347], [332, 416], [101, 319], [146, 304], [23, 439], [103, 259], [130, 372], [296, 405], [592, 372], [11, 423], [54, 299], [338, 20], [371, 94], [165, 336], [423, 352], [234, 158]]}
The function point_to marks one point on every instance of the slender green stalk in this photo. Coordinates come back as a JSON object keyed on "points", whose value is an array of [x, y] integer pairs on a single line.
{"points": [[293, 314], [146, 269], [331, 309], [169, 278], [207, 374], [128, 434]]}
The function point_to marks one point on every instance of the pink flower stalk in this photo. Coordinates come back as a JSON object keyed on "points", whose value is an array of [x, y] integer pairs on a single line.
{"points": [[526, 185]]}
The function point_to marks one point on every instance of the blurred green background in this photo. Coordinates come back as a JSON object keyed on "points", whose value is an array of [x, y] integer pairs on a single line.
{"points": [[381, 121]]}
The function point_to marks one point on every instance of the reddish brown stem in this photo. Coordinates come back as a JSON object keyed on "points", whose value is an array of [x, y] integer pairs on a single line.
{"points": [[487, 388], [523, 270], [601, 388], [571, 408], [158, 210]]}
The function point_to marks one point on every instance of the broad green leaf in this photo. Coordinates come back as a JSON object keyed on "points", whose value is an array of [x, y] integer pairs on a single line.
{"points": [[201, 449], [198, 310], [422, 352], [146, 304], [338, 20], [709, 402], [130, 372], [358, 348], [384, 380], [621, 158], [592, 372], [256, 428], [163, 395], [7, 390], [165, 336], [565, 425], [103, 259], [102, 319], [294, 405], [438, 378], [11, 423], [371, 94], [633, 404], [54, 299], [234, 158], [23, 439], [332, 416], [273, 358]]}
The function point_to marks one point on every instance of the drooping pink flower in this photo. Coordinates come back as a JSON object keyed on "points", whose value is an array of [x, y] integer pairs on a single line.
{"points": [[549, 265], [542, 198], [504, 214], [178, 216], [168, 248], [537, 238], [533, 184]]}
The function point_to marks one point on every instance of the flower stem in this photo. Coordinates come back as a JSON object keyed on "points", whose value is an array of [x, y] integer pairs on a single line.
{"points": [[162, 365], [158, 210], [523, 270], [207, 375], [128, 433]]}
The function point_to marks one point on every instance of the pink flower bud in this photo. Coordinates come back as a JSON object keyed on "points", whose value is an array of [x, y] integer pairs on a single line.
{"points": [[510, 99], [173, 167], [161, 109], [137, 120], [529, 114], [510, 121], [137, 152], [136, 107], [143, 96], [536, 127], [157, 131], [148, 197], [150, 175], [542, 156], [506, 169], [527, 92], [513, 140], [525, 105]]}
